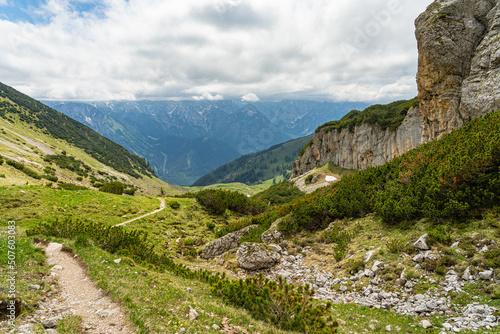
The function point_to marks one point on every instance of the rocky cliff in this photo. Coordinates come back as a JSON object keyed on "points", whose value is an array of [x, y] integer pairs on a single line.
{"points": [[366, 146], [458, 79], [459, 63]]}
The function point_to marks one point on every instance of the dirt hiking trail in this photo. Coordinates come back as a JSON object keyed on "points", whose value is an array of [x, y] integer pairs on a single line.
{"points": [[80, 296], [162, 206]]}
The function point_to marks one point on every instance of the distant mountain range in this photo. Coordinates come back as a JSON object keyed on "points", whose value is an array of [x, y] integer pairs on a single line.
{"points": [[274, 163], [184, 140]]}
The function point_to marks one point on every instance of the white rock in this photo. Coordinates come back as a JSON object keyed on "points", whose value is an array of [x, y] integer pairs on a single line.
{"points": [[376, 266], [117, 261], [447, 326], [193, 315], [51, 322], [425, 324], [467, 275], [53, 247], [421, 244], [486, 275], [215, 327]]}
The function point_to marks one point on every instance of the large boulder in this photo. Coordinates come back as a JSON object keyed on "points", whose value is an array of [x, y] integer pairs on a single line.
{"points": [[252, 256], [224, 244]]}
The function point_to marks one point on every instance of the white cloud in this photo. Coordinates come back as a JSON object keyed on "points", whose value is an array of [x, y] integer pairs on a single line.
{"points": [[133, 49], [250, 97], [209, 97], [3, 3]]}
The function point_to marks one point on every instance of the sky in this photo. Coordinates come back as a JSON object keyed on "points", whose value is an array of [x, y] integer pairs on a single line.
{"points": [[249, 50]]}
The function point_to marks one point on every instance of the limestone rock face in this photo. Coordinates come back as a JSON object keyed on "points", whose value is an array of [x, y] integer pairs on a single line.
{"points": [[227, 242], [458, 79], [367, 146], [459, 63], [252, 256]]}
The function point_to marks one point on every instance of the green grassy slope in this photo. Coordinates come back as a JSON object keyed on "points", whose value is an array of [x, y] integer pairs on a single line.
{"points": [[62, 127], [275, 162], [40, 146]]}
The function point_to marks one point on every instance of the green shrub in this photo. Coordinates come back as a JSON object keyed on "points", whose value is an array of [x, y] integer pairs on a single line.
{"points": [[441, 234], [190, 252], [174, 205], [114, 187], [130, 191], [287, 306], [15, 164], [338, 236], [494, 291], [213, 200], [82, 240], [492, 257], [309, 179], [447, 261], [303, 150], [24, 169], [384, 116], [189, 242], [210, 226], [2, 176], [353, 266], [218, 201], [280, 193], [395, 246], [288, 226], [51, 178]]}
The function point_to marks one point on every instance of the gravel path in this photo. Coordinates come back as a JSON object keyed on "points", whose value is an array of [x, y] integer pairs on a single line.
{"points": [[82, 297], [162, 206]]}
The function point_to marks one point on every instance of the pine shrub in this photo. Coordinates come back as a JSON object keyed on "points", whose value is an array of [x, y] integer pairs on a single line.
{"points": [[286, 306], [114, 187], [174, 205]]}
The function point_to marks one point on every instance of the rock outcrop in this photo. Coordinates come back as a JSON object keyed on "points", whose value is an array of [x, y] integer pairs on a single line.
{"points": [[366, 146], [253, 256], [227, 242], [458, 79], [273, 234], [459, 63]]}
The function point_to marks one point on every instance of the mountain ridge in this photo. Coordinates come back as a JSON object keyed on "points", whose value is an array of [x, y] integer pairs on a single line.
{"points": [[243, 127]]}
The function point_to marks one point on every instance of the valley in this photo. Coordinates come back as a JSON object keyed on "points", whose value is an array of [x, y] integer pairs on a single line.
{"points": [[184, 140], [303, 217]]}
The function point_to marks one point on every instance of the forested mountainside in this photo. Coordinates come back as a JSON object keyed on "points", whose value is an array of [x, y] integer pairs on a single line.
{"points": [[273, 163], [223, 130], [60, 126]]}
